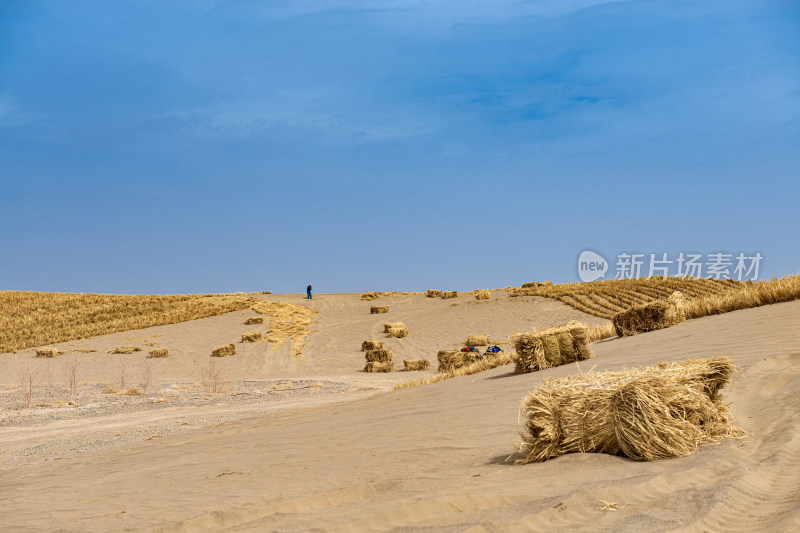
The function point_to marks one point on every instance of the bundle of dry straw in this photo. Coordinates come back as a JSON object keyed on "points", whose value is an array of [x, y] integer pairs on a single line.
{"points": [[416, 364], [379, 360], [433, 293], [254, 320], [450, 360], [48, 352], [223, 351], [371, 345], [125, 349], [369, 295], [377, 309], [651, 316], [478, 340], [374, 366], [663, 411], [551, 347], [159, 352], [396, 329], [251, 337], [449, 294], [482, 294]]}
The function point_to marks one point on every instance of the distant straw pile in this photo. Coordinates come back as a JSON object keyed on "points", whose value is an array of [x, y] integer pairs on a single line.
{"points": [[379, 360], [663, 411], [551, 347], [377, 309], [433, 293], [478, 340], [159, 352], [396, 329], [254, 320], [369, 295], [450, 360], [416, 364], [651, 316], [251, 337], [223, 351], [48, 352], [482, 294], [449, 294], [371, 345], [125, 349]]}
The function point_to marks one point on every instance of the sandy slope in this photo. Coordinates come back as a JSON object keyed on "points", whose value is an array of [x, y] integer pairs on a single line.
{"points": [[433, 457]]}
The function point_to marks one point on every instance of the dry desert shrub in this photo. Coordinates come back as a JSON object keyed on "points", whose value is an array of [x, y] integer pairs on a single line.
{"points": [[72, 367], [213, 376], [156, 353], [251, 337], [416, 364], [125, 350], [378, 309], [482, 294], [224, 350], [146, 372], [28, 377], [668, 410]]}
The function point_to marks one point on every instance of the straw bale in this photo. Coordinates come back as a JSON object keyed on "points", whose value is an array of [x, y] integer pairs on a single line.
{"points": [[48, 352], [225, 350], [254, 320], [651, 316], [449, 294], [125, 349], [377, 309], [379, 356], [532, 284], [374, 366], [159, 352], [251, 337], [551, 347], [389, 325], [398, 332], [416, 364], [450, 360], [433, 293], [371, 345], [369, 295], [478, 340], [663, 411], [482, 294]]}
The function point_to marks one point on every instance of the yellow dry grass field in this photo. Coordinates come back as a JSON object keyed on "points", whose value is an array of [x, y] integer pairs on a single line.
{"points": [[31, 319]]}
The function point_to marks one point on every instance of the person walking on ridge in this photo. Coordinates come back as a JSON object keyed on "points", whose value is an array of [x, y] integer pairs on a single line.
{"points": [[308, 291]]}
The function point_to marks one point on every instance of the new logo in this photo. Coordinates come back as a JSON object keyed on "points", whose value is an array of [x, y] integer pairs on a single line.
{"points": [[591, 266]]}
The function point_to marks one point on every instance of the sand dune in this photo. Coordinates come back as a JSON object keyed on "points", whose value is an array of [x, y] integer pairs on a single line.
{"points": [[434, 457]]}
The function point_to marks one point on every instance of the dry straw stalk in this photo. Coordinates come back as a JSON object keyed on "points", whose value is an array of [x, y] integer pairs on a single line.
{"points": [[125, 349], [416, 364], [223, 351], [668, 410]]}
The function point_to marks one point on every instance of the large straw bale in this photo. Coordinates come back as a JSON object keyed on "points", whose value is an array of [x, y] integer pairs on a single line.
{"points": [[223, 351], [374, 366], [416, 364], [663, 411], [379, 356], [478, 340], [651, 316], [450, 360], [449, 294], [125, 349], [432, 293], [254, 320], [551, 347], [377, 309], [482, 294], [396, 329], [251, 337], [47, 351], [371, 345], [159, 352], [369, 295]]}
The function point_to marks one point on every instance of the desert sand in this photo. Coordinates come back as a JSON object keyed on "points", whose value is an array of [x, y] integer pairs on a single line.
{"points": [[337, 451]]}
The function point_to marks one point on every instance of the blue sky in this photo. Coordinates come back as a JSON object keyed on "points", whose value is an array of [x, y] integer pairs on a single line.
{"points": [[202, 146]]}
